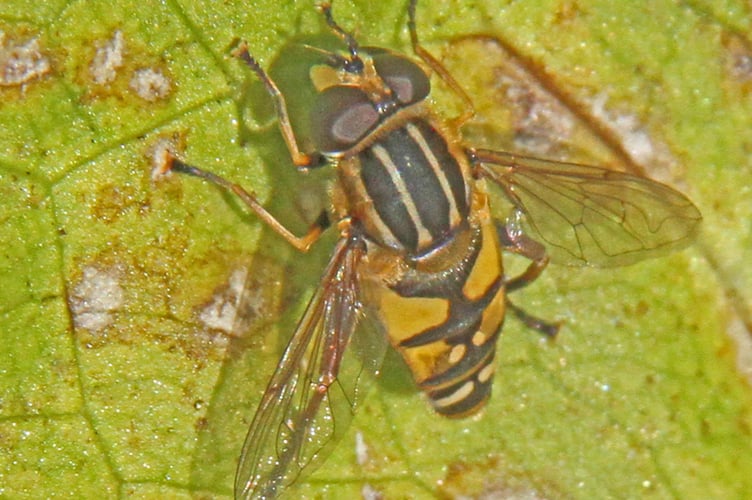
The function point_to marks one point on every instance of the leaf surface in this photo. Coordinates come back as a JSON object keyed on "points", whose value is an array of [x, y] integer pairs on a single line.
{"points": [[140, 321]]}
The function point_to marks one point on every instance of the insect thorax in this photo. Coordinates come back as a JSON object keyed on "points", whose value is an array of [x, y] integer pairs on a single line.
{"points": [[408, 188]]}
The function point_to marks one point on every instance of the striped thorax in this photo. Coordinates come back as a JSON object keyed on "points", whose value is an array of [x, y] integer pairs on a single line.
{"points": [[407, 188]]}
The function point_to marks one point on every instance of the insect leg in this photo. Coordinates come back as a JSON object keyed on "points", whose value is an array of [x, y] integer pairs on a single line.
{"points": [[515, 242], [352, 44], [439, 68], [546, 328], [521, 244], [302, 243], [301, 160]]}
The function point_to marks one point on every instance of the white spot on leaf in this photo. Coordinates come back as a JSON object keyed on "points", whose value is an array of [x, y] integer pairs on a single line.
{"points": [[222, 311], [95, 298], [368, 492], [161, 154], [108, 59], [361, 449], [21, 62], [636, 140], [150, 84]]}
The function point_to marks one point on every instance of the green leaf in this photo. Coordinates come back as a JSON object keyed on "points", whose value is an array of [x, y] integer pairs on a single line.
{"points": [[120, 375]]}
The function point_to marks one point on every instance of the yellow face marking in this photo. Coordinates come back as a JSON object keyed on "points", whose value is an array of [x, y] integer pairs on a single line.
{"points": [[463, 392], [479, 338], [487, 267], [457, 353], [406, 317], [486, 373], [323, 77]]}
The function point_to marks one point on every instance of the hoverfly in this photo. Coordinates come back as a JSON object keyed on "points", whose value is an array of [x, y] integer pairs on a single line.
{"points": [[419, 251]]}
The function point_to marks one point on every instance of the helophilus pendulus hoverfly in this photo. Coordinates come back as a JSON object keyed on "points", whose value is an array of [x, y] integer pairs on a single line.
{"points": [[419, 259]]}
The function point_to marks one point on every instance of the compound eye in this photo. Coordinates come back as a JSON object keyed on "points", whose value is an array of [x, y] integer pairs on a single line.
{"points": [[406, 79], [341, 117]]}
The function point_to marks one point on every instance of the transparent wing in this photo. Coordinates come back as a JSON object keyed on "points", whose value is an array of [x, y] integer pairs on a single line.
{"points": [[317, 385], [589, 215]]}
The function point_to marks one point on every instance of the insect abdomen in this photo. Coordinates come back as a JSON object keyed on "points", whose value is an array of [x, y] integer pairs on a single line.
{"points": [[445, 321], [407, 189]]}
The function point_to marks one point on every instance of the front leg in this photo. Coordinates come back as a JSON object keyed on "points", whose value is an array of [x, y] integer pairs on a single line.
{"points": [[302, 243], [301, 160]]}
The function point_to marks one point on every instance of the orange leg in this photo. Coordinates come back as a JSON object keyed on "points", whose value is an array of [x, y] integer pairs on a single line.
{"points": [[302, 243], [301, 160], [439, 68]]}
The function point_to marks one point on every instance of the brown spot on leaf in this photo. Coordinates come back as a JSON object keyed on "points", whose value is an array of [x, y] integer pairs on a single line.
{"points": [[113, 201], [738, 61], [494, 478], [122, 68]]}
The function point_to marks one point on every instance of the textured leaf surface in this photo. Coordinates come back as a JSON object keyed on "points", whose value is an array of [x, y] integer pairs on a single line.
{"points": [[127, 371]]}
